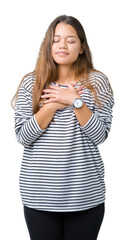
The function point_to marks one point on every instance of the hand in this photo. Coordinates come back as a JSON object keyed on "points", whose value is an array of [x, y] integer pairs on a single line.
{"points": [[62, 95], [79, 89], [56, 106]]}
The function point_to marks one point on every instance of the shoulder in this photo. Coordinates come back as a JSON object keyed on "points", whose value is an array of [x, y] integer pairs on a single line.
{"points": [[100, 81], [28, 81]]}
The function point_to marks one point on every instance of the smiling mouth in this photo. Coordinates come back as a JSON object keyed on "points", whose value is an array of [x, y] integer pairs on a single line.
{"points": [[62, 53]]}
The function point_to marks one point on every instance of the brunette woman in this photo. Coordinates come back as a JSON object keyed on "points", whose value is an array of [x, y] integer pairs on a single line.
{"points": [[63, 111]]}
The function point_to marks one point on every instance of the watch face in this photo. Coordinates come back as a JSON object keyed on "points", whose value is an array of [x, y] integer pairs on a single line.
{"points": [[78, 103]]}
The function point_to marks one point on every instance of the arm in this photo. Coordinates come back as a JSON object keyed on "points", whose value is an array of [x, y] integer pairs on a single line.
{"points": [[46, 113], [29, 127], [95, 125], [26, 127], [67, 96], [83, 114], [98, 126], [44, 116]]}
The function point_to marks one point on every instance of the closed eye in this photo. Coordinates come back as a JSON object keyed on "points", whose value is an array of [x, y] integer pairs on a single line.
{"points": [[70, 41], [55, 41]]}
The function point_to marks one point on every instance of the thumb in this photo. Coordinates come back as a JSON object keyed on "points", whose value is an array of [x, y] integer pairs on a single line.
{"points": [[73, 84], [70, 85]]}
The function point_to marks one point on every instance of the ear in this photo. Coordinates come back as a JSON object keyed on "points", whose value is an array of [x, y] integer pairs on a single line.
{"points": [[81, 50]]}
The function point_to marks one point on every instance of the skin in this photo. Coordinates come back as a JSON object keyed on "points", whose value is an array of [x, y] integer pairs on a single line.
{"points": [[66, 46], [65, 50]]}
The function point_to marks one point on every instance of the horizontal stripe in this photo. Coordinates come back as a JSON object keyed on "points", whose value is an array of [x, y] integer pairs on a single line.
{"points": [[62, 169]]}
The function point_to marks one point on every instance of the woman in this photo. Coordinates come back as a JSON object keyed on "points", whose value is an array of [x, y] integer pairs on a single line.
{"points": [[63, 111]]}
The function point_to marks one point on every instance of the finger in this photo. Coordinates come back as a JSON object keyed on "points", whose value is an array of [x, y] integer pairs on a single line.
{"points": [[51, 100], [81, 92], [69, 85], [79, 88], [47, 96], [41, 103], [49, 91], [73, 84], [54, 87]]}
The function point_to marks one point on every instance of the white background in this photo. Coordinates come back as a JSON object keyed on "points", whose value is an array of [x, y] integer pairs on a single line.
{"points": [[22, 28]]}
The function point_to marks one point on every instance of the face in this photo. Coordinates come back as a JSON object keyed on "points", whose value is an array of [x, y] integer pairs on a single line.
{"points": [[66, 45]]}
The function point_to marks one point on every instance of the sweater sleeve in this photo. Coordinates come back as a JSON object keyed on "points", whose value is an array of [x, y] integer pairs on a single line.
{"points": [[26, 127], [99, 125]]}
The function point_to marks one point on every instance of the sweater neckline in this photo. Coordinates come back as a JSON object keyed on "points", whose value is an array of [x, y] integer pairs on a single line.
{"points": [[62, 85]]}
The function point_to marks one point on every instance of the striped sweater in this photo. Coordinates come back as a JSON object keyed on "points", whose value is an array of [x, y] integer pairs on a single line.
{"points": [[62, 169]]}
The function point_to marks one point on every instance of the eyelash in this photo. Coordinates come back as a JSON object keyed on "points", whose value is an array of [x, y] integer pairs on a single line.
{"points": [[56, 41]]}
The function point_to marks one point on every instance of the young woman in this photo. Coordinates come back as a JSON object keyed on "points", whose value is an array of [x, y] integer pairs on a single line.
{"points": [[63, 111]]}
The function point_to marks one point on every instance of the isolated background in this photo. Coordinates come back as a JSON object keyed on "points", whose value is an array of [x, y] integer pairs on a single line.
{"points": [[22, 28]]}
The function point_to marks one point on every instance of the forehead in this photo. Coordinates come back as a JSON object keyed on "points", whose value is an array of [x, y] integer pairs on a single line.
{"points": [[63, 29]]}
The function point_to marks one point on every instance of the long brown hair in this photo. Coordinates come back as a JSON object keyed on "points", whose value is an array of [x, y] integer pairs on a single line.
{"points": [[46, 68]]}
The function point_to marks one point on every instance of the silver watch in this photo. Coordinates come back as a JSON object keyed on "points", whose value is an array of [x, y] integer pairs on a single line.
{"points": [[78, 103]]}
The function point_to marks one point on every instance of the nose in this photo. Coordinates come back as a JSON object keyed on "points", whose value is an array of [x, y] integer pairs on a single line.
{"points": [[63, 44]]}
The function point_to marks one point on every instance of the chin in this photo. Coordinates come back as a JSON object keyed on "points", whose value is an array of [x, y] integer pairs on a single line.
{"points": [[63, 62]]}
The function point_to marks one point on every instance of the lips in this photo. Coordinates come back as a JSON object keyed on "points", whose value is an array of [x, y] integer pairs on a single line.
{"points": [[61, 53]]}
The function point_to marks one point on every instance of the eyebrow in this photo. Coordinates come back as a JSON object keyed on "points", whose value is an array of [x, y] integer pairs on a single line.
{"points": [[67, 36]]}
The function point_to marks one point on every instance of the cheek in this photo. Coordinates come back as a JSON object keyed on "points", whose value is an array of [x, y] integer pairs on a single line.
{"points": [[54, 48], [75, 52]]}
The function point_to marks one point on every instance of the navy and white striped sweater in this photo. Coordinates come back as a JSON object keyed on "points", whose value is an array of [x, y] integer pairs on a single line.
{"points": [[62, 169]]}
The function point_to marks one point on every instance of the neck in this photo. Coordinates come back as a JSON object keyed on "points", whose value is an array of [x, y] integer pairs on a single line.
{"points": [[65, 74]]}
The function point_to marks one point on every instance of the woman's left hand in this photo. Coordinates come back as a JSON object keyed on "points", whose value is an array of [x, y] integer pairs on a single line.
{"points": [[62, 95]]}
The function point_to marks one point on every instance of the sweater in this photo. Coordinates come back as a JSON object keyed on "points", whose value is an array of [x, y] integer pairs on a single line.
{"points": [[62, 169]]}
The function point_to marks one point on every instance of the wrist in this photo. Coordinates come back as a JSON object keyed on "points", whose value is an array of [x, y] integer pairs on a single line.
{"points": [[73, 98], [77, 103], [50, 107]]}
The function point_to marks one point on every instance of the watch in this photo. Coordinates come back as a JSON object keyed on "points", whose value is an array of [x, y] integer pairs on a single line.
{"points": [[78, 103]]}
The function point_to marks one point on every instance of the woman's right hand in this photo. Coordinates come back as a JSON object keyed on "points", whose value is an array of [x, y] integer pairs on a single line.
{"points": [[56, 106]]}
